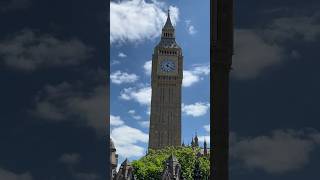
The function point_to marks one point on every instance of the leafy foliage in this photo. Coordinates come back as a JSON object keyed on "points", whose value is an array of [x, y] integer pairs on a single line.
{"points": [[151, 166]]}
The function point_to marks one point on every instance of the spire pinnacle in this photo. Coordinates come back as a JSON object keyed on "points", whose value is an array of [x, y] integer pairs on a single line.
{"points": [[168, 22]]}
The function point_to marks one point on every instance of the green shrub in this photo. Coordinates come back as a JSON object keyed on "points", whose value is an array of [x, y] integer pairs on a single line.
{"points": [[151, 166]]}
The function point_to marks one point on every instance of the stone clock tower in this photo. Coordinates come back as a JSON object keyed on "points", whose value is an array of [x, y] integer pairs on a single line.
{"points": [[166, 80]]}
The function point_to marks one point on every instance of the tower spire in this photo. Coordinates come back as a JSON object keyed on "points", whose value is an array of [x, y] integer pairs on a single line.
{"points": [[205, 150], [168, 24], [196, 140]]}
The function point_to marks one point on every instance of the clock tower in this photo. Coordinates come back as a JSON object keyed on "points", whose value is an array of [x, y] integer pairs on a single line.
{"points": [[166, 81]]}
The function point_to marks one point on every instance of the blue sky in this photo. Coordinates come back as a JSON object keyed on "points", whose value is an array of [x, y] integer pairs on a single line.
{"points": [[132, 41]]}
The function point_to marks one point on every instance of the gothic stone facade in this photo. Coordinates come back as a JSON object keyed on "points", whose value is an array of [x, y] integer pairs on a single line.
{"points": [[167, 68]]}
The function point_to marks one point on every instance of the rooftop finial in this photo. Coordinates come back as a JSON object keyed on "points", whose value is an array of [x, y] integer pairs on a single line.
{"points": [[168, 12]]}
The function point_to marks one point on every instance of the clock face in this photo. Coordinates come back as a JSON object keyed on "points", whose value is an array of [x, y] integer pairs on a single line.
{"points": [[167, 65]]}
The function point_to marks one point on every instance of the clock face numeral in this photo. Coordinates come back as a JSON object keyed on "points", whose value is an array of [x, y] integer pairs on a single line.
{"points": [[168, 65]]}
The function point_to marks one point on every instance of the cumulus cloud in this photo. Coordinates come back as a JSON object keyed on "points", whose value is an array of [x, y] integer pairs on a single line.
{"points": [[141, 95], [116, 120], [126, 138], [195, 74], [306, 28], [281, 151], [147, 67], [258, 49], [114, 62], [253, 55], [134, 115], [137, 20], [29, 51], [122, 55], [190, 28], [68, 102], [197, 109], [205, 138], [120, 77], [8, 175], [207, 128], [144, 124]]}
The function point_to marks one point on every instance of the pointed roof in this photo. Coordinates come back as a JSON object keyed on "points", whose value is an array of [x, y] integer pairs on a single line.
{"points": [[125, 162], [168, 24], [196, 137], [172, 158]]}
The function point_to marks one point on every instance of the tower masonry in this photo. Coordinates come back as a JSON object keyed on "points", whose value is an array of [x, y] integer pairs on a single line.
{"points": [[166, 81]]}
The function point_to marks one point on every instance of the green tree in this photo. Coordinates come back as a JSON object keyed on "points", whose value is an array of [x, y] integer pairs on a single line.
{"points": [[151, 166]]}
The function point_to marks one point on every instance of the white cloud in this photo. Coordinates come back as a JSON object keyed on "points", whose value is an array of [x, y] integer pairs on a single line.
{"points": [[258, 49], [137, 20], [137, 117], [189, 78], [280, 152], [190, 28], [64, 102], [253, 55], [8, 175], [125, 139], [197, 109], [131, 111], [116, 120], [147, 67], [119, 77], [195, 74], [122, 55], [114, 62], [144, 124], [70, 159], [207, 138], [29, 51], [293, 28], [140, 95], [207, 128], [134, 115]]}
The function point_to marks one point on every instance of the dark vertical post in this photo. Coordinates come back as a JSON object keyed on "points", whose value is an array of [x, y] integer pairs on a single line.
{"points": [[221, 51]]}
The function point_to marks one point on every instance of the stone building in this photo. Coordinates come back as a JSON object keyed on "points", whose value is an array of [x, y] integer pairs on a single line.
{"points": [[113, 159], [205, 151], [166, 81], [125, 171], [173, 169]]}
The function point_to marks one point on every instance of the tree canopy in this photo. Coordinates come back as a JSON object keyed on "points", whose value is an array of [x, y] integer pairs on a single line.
{"points": [[151, 166]]}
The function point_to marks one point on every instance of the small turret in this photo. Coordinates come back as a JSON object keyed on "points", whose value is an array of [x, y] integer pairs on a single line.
{"points": [[125, 172], [172, 170], [192, 143], [205, 150], [196, 141]]}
